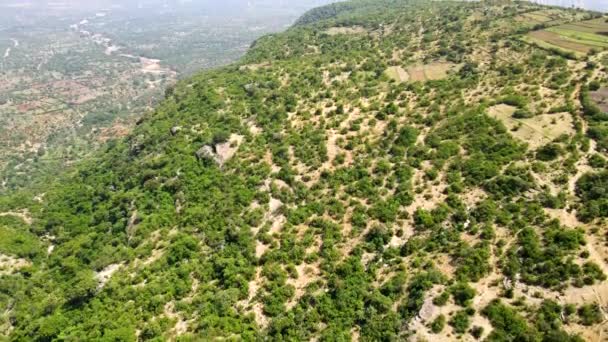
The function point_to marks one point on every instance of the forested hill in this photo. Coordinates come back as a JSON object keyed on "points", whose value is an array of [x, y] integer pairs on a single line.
{"points": [[384, 170]]}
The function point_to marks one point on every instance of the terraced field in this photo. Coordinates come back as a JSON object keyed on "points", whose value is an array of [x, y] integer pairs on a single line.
{"points": [[547, 16], [578, 38]]}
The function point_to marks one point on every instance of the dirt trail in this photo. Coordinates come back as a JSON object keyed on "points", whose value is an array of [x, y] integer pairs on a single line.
{"points": [[7, 53]]}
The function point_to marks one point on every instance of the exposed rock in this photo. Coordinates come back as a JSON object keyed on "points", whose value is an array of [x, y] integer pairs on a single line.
{"points": [[206, 153], [9, 264], [220, 153], [136, 145], [175, 130], [104, 275], [250, 88], [225, 151]]}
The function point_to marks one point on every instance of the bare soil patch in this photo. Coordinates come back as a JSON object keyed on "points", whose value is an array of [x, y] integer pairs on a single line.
{"points": [[600, 97]]}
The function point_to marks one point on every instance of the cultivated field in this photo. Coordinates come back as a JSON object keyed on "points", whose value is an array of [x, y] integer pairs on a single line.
{"points": [[546, 16], [578, 38]]}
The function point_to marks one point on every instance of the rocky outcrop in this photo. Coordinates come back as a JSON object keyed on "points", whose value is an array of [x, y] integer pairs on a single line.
{"points": [[220, 153], [207, 153]]}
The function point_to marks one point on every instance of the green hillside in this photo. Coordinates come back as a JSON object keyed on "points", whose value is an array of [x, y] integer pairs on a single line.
{"points": [[383, 170]]}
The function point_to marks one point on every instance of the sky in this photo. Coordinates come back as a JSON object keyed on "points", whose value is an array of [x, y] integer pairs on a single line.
{"points": [[596, 5]]}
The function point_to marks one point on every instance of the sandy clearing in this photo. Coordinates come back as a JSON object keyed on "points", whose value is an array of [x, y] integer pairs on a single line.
{"points": [[22, 214]]}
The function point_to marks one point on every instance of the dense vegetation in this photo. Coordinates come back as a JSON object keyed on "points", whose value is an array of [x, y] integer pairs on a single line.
{"points": [[355, 205]]}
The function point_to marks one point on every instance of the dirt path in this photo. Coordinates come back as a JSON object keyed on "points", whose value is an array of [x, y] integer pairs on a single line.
{"points": [[7, 53]]}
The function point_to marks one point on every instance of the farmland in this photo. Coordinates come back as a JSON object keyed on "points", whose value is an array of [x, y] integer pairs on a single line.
{"points": [[578, 38], [545, 16]]}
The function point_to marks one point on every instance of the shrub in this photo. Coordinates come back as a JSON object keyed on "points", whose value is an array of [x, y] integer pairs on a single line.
{"points": [[460, 322], [438, 324], [549, 152], [462, 293], [522, 114], [590, 314]]}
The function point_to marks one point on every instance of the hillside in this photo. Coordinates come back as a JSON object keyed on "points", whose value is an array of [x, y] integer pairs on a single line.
{"points": [[383, 170]]}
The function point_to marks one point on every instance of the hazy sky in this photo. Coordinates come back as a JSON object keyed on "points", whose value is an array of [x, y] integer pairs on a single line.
{"points": [[597, 5]]}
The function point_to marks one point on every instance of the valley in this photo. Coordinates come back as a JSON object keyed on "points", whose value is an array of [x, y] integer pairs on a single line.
{"points": [[73, 76]]}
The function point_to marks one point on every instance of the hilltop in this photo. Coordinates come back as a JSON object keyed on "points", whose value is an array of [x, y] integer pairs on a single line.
{"points": [[382, 170]]}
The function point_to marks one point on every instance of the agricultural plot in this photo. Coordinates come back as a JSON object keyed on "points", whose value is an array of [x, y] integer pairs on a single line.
{"points": [[536, 131], [421, 73], [547, 17], [578, 38]]}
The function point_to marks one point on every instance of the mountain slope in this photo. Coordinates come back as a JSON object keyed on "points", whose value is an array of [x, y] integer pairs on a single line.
{"points": [[392, 170]]}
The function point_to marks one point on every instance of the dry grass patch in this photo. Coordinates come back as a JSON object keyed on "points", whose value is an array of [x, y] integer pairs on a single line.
{"points": [[254, 67], [333, 31], [398, 74], [420, 72], [536, 131]]}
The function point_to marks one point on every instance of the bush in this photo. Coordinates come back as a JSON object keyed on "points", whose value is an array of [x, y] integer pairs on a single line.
{"points": [[460, 322], [438, 324], [514, 100], [549, 152], [592, 188], [590, 314], [442, 299], [507, 324], [462, 293], [522, 114], [476, 332]]}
